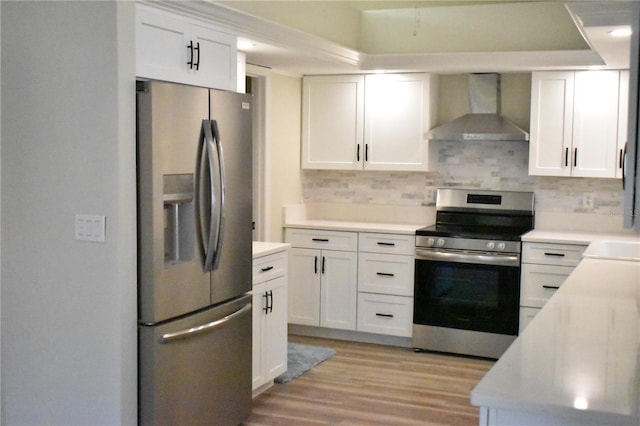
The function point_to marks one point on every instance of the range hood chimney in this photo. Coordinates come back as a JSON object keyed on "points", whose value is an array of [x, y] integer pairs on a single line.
{"points": [[484, 122]]}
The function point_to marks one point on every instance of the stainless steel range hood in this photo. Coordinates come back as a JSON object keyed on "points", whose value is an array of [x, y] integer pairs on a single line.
{"points": [[484, 123]]}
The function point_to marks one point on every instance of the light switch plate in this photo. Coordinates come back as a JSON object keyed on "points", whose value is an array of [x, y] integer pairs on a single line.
{"points": [[90, 227]]}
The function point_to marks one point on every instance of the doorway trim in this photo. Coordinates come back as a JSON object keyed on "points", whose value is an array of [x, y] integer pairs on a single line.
{"points": [[261, 158]]}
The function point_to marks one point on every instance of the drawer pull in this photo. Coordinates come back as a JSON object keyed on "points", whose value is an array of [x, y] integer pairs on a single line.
{"points": [[554, 254], [550, 287], [381, 243], [384, 315], [268, 268], [385, 274], [320, 240]]}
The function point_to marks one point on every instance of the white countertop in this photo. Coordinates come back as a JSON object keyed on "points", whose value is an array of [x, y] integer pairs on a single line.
{"points": [[572, 237], [582, 349], [261, 248], [338, 225]]}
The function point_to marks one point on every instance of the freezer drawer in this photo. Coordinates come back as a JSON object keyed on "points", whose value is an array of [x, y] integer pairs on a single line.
{"points": [[202, 377]]}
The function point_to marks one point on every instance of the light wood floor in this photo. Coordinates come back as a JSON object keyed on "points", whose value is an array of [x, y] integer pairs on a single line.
{"points": [[367, 384]]}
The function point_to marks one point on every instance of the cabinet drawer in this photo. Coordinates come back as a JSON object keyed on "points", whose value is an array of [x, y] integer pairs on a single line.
{"points": [[540, 282], [526, 316], [268, 267], [552, 254], [383, 314], [319, 239], [385, 274], [387, 243]]}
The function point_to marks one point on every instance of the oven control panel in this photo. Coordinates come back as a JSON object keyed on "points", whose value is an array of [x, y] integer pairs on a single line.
{"points": [[468, 244]]}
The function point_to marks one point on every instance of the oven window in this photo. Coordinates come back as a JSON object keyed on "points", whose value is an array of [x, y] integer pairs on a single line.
{"points": [[467, 296]]}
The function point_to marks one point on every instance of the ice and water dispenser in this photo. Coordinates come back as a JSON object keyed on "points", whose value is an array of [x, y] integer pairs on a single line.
{"points": [[179, 218]]}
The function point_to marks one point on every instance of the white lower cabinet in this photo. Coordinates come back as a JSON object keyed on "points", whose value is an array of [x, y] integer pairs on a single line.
{"points": [[545, 266], [346, 280], [323, 280], [269, 318], [385, 283]]}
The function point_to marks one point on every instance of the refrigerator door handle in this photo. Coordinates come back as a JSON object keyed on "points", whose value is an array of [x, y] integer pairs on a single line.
{"points": [[221, 188], [205, 200], [182, 334], [210, 188], [623, 164]]}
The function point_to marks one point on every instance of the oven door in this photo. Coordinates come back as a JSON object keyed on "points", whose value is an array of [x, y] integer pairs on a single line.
{"points": [[468, 291]]}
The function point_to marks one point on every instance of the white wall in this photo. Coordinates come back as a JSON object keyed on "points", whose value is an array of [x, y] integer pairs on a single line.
{"points": [[284, 106], [68, 146]]}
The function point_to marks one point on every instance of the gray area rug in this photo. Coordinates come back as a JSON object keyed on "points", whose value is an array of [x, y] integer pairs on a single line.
{"points": [[302, 358]]}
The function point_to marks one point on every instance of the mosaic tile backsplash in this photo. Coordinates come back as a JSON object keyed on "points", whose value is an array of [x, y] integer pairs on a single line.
{"points": [[483, 165]]}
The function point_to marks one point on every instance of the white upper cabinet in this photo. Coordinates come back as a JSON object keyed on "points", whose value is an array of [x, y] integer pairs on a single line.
{"points": [[623, 119], [372, 122], [399, 110], [551, 123], [175, 48], [332, 122], [574, 123]]}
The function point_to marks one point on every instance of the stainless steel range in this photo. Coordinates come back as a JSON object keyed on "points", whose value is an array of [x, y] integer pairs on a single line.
{"points": [[467, 272]]}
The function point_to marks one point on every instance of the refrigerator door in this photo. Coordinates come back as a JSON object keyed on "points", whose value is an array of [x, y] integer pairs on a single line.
{"points": [[232, 116], [197, 370], [171, 277]]}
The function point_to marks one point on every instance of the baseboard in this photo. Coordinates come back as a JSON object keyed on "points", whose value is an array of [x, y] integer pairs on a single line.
{"points": [[350, 335]]}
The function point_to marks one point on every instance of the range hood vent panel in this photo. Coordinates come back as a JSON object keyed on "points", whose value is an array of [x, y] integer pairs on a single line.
{"points": [[484, 123]]}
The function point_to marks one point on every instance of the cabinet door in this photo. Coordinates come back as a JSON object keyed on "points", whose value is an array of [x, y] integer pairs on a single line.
{"points": [[397, 116], [304, 286], [161, 45], [217, 59], [339, 289], [259, 302], [275, 328], [595, 123], [551, 123], [623, 119], [332, 122]]}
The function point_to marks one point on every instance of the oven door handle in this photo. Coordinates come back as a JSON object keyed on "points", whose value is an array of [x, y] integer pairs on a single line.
{"points": [[466, 257]]}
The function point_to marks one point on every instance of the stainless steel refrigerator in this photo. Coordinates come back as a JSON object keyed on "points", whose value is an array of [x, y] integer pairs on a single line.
{"points": [[194, 255]]}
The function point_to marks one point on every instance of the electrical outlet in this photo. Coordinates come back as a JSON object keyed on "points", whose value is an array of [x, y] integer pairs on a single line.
{"points": [[429, 197], [587, 201]]}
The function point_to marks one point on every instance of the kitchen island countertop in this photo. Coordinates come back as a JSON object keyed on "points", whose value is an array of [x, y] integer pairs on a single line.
{"points": [[578, 362]]}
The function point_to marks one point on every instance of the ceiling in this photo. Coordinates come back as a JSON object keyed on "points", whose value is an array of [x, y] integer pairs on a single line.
{"points": [[326, 37]]}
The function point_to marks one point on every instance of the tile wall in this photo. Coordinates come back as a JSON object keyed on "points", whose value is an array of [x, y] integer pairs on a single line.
{"points": [[483, 165]]}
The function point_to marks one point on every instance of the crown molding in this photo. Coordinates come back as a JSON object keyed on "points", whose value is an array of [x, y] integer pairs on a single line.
{"points": [[485, 61]]}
